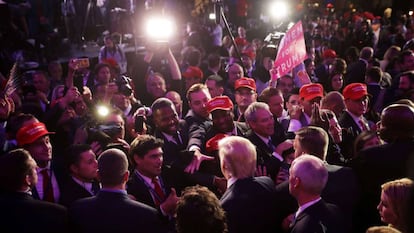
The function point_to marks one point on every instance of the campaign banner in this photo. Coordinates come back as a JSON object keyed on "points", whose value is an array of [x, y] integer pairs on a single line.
{"points": [[292, 50]]}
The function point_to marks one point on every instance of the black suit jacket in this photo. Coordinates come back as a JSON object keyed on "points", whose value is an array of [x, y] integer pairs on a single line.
{"points": [[355, 73], [320, 217], [20, 213], [351, 131], [71, 192], [375, 166], [341, 190], [137, 188], [197, 127], [251, 206], [265, 155], [323, 75], [113, 212]]}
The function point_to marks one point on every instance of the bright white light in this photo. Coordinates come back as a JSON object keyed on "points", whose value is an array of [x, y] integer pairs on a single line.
{"points": [[279, 10], [212, 16], [410, 13], [160, 29], [102, 110]]}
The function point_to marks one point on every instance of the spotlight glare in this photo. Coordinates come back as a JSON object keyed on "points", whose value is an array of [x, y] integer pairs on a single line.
{"points": [[279, 10], [102, 110], [160, 29], [212, 16]]}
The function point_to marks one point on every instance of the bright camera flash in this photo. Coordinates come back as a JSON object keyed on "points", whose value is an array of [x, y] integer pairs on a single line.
{"points": [[102, 110], [279, 9], [160, 29]]}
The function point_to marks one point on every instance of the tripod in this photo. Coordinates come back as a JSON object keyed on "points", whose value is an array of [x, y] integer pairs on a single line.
{"points": [[90, 12], [218, 10]]}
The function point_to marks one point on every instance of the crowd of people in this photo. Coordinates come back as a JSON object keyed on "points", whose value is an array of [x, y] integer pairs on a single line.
{"points": [[205, 140]]}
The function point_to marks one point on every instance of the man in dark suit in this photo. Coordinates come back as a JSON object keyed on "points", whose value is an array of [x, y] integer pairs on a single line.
{"points": [[245, 94], [355, 73], [221, 110], [300, 115], [111, 210], [248, 201], [322, 70], [375, 166], [274, 98], [353, 120], [20, 212], [269, 156], [147, 183], [34, 137], [341, 188], [308, 177], [83, 168], [175, 135]]}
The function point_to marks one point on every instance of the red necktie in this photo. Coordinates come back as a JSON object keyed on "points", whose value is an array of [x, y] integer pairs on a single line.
{"points": [[160, 196], [47, 187], [363, 125]]}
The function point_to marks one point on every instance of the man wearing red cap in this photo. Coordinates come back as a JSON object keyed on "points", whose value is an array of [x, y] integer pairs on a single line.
{"points": [[353, 120], [300, 115], [192, 75], [245, 94], [34, 137], [221, 110]]}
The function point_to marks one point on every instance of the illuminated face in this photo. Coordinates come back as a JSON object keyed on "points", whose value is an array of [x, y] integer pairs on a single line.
{"points": [[223, 120], [357, 107], [264, 123], [121, 101], [285, 85], [104, 75], [307, 104], [213, 88], [151, 163], [297, 147], [335, 130], [293, 101], [33, 174], [87, 167], [385, 211], [156, 86], [41, 82], [41, 150], [166, 120], [276, 105], [117, 120], [244, 97], [337, 82], [176, 99], [198, 102], [235, 72]]}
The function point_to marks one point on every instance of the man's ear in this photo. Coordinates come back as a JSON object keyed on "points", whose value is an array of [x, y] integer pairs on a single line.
{"points": [[73, 168]]}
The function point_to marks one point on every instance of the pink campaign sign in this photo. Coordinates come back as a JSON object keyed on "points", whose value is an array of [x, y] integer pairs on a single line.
{"points": [[292, 50]]}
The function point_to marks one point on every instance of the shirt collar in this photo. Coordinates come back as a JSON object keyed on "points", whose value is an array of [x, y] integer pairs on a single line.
{"points": [[306, 205]]}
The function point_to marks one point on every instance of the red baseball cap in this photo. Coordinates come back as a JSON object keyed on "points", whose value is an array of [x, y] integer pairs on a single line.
{"points": [[193, 72], [212, 144], [219, 102], [311, 91], [355, 91], [30, 133], [329, 53], [245, 82]]}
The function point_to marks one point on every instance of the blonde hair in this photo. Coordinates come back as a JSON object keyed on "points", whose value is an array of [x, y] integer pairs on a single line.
{"points": [[238, 155], [398, 193]]}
